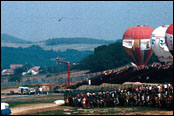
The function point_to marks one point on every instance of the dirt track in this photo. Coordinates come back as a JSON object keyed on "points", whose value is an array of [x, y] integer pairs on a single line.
{"points": [[33, 108]]}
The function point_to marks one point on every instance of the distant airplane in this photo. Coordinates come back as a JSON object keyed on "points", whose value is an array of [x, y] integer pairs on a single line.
{"points": [[71, 18], [60, 19]]}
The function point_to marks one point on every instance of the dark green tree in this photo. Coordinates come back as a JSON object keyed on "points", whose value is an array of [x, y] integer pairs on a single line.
{"points": [[17, 76]]}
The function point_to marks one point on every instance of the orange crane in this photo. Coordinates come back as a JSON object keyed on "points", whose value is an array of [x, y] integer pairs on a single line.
{"points": [[59, 62]]}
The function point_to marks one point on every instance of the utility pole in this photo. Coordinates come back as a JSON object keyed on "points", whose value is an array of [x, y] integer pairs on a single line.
{"points": [[59, 62]]}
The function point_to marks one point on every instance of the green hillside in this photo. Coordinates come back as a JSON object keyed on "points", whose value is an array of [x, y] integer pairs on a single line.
{"points": [[12, 39], [35, 55]]}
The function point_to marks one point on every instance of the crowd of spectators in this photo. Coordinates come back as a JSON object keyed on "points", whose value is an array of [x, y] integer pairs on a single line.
{"points": [[137, 68], [148, 73], [153, 73], [142, 95]]}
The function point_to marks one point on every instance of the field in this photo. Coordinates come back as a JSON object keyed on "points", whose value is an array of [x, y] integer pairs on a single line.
{"points": [[62, 47], [44, 105], [23, 105], [107, 111]]}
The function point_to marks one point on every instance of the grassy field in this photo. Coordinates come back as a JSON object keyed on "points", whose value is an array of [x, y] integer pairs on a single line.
{"points": [[104, 111], [50, 98], [62, 47]]}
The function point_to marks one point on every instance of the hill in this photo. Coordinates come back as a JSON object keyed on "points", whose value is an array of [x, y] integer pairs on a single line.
{"points": [[35, 55], [77, 40], [56, 44], [107, 57], [12, 39]]}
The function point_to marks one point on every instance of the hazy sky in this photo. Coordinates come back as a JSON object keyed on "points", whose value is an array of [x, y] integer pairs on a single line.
{"points": [[38, 20]]}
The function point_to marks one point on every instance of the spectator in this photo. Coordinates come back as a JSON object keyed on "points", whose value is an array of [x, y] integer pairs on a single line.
{"points": [[148, 95], [40, 90]]}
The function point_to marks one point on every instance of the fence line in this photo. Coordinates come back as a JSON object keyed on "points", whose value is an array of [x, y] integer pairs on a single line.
{"points": [[46, 80]]}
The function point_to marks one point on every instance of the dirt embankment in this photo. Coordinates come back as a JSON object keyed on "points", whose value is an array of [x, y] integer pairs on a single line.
{"points": [[8, 90]]}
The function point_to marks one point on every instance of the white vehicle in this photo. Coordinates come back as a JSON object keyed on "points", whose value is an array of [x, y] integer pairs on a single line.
{"points": [[32, 91], [23, 90], [5, 109]]}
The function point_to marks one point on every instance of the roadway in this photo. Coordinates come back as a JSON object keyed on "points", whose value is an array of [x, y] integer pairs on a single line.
{"points": [[24, 96]]}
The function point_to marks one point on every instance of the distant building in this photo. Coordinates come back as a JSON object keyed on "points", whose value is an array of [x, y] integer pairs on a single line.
{"points": [[7, 72], [34, 70], [14, 66], [24, 73], [75, 64]]}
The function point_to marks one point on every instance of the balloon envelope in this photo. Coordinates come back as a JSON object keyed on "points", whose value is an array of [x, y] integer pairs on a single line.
{"points": [[136, 42], [169, 38], [159, 45]]}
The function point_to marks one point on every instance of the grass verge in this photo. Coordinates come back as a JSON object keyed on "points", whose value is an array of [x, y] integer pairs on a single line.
{"points": [[100, 111]]}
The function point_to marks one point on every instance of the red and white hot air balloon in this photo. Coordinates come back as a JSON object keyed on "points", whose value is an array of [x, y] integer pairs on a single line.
{"points": [[158, 44], [136, 42], [169, 38]]}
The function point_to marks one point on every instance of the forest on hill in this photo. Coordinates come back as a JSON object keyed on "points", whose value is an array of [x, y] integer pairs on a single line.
{"points": [[35, 55]]}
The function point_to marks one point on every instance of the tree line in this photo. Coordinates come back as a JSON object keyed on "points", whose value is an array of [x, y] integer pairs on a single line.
{"points": [[35, 55]]}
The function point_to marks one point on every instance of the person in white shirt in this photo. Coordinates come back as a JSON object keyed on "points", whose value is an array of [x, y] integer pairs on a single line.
{"points": [[159, 88], [40, 90], [169, 85], [165, 86], [150, 89], [147, 99]]}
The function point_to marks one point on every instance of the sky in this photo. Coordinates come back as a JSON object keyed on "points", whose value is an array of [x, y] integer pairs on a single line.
{"points": [[108, 20]]}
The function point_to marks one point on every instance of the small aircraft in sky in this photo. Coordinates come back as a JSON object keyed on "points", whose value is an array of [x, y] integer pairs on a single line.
{"points": [[60, 19]]}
